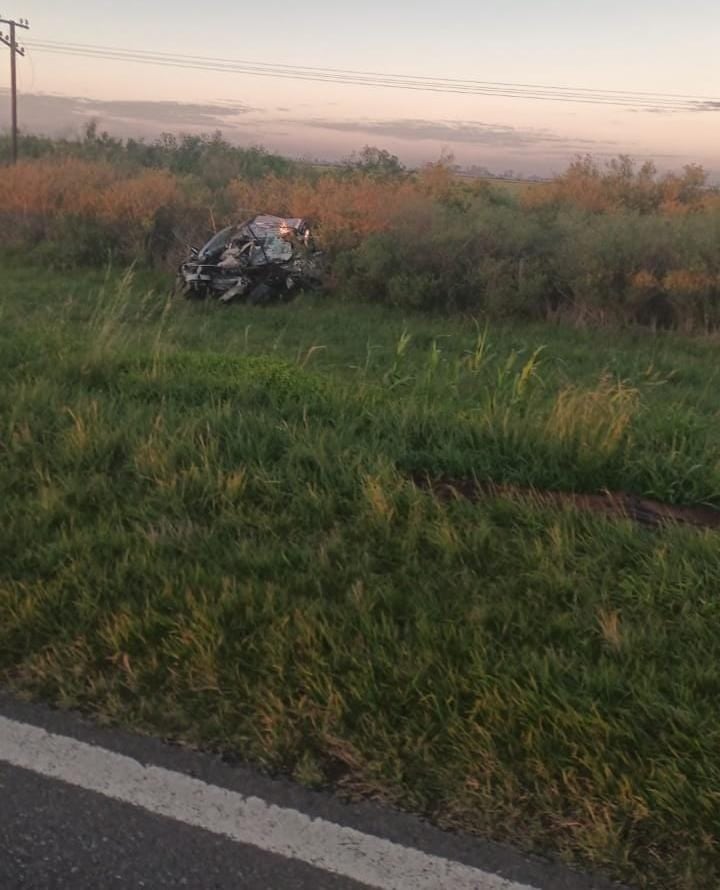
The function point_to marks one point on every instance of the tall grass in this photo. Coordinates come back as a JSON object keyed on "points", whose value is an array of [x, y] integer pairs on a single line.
{"points": [[210, 531]]}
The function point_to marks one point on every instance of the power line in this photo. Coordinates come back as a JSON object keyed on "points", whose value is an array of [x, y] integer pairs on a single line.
{"points": [[538, 92], [350, 71], [400, 81], [418, 85], [10, 40]]}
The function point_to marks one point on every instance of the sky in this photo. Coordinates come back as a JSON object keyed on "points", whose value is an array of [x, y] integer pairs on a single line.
{"points": [[661, 47]]}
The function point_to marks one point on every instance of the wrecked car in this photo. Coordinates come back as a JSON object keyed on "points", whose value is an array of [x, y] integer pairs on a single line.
{"points": [[263, 259]]}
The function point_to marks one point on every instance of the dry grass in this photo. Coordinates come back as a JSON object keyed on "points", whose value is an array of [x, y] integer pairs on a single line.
{"points": [[595, 420]]}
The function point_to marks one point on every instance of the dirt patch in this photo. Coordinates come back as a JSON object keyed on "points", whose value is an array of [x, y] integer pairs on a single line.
{"points": [[614, 505]]}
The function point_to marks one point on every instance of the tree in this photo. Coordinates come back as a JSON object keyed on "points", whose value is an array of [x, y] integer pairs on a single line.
{"points": [[376, 162]]}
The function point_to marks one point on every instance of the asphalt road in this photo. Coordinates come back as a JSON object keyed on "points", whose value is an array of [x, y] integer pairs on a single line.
{"points": [[83, 807], [55, 836]]}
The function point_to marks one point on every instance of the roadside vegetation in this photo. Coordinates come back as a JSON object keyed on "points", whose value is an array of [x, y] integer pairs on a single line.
{"points": [[232, 525], [602, 244], [211, 532]]}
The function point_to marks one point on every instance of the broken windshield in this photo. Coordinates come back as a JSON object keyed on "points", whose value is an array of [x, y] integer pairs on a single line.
{"points": [[216, 243]]}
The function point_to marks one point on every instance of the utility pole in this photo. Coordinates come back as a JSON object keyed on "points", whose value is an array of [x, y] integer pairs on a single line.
{"points": [[15, 51]]}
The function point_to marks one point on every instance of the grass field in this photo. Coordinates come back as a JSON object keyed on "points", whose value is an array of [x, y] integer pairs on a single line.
{"points": [[210, 532]]}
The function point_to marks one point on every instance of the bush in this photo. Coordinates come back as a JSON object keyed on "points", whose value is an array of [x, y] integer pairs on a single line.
{"points": [[623, 185], [505, 261], [72, 212], [207, 157], [612, 244]]}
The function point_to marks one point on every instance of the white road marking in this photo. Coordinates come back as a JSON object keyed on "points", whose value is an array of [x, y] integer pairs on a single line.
{"points": [[249, 820]]}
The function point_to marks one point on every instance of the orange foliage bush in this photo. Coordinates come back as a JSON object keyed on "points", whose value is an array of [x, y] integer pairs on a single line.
{"points": [[686, 282], [676, 282], [56, 201], [84, 188], [46, 188], [138, 199], [621, 185], [345, 210], [644, 281]]}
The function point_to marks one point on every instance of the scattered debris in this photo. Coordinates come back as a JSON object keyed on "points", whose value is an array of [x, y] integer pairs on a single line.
{"points": [[614, 505], [264, 259]]}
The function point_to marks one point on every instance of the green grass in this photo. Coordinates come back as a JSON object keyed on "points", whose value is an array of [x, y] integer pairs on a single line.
{"points": [[209, 533]]}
